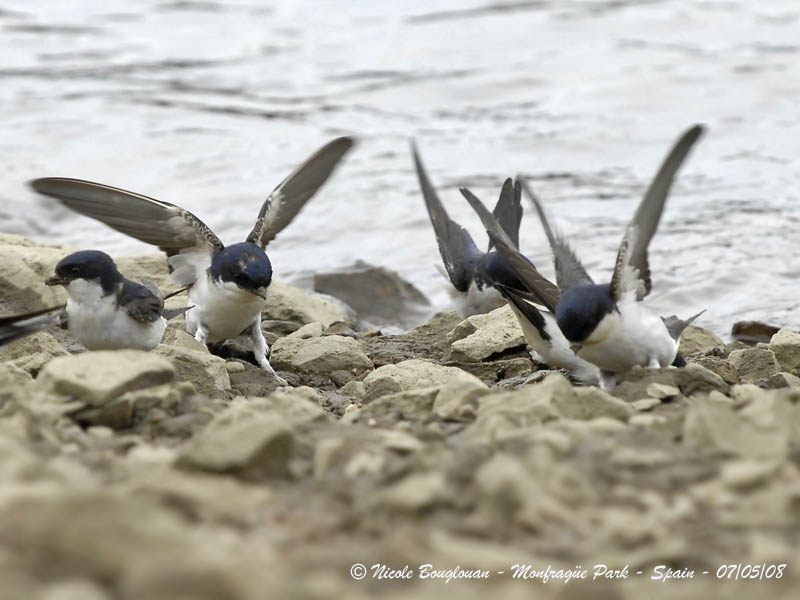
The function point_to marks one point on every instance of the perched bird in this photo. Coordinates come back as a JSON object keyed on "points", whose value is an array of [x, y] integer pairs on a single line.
{"points": [[106, 311], [14, 327], [466, 267], [227, 284], [474, 274], [605, 324]]}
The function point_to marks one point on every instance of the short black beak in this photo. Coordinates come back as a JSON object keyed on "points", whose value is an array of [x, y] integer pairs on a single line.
{"points": [[56, 280]]}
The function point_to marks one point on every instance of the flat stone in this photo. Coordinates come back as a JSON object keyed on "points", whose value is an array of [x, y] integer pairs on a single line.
{"points": [[319, 355], [288, 303], [97, 377], [208, 373], [480, 336], [410, 375], [786, 346]]}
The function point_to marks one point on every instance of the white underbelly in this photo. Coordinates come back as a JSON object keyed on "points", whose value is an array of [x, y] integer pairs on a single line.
{"points": [[636, 336], [100, 326], [556, 351], [475, 301], [224, 311]]}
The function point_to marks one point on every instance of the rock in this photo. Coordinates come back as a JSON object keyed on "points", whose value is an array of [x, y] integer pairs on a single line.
{"points": [[458, 400], [783, 380], [415, 493], [97, 377], [295, 405], [410, 405], [410, 375], [180, 338], [752, 332], [720, 366], [310, 330], [233, 366], [15, 384], [747, 474], [754, 364], [715, 427], [208, 373], [646, 404], [288, 303], [253, 448], [498, 370], [33, 351], [480, 336], [590, 403], [662, 391], [24, 265], [786, 346], [377, 295], [695, 379], [699, 340], [319, 355], [528, 406]]}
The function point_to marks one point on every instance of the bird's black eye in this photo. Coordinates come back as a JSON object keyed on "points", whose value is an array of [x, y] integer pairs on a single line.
{"points": [[74, 270]]}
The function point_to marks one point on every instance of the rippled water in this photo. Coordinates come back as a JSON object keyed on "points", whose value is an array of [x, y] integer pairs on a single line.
{"points": [[210, 104]]}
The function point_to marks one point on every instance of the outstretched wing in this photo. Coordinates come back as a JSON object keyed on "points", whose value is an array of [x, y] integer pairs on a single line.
{"points": [[539, 286], [286, 200], [632, 271], [569, 270], [456, 246], [508, 211], [188, 241], [16, 326]]}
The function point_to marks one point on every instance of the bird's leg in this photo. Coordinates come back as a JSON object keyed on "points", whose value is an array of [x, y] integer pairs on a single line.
{"points": [[201, 335], [608, 381], [653, 364], [261, 349]]}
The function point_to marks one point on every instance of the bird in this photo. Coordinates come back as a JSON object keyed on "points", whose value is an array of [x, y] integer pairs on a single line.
{"points": [[474, 272], [14, 327], [605, 324], [227, 285], [465, 266], [106, 311]]}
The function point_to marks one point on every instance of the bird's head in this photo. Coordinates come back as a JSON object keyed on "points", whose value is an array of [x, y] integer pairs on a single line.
{"points": [[91, 266], [581, 313], [246, 265]]}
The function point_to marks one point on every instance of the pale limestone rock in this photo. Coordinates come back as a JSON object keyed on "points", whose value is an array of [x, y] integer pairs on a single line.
{"points": [[410, 375], [319, 355], [288, 303], [97, 377], [480, 336], [208, 373]]}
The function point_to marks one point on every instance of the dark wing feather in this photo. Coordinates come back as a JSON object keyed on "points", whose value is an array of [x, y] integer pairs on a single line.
{"points": [[543, 290], [456, 246], [16, 326], [185, 238], [524, 307], [141, 301], [569, 270], [631, 270], [675, 325], [508, 210], [286, 200]]}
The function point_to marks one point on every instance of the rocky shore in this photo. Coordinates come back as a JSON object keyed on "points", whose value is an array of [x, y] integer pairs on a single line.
{"points": [[183, 473]]}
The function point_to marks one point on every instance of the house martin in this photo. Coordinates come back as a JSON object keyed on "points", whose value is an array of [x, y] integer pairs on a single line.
{"points": [[606, 324], [465, 266], [475, 273], [227, 285], [106, 311]]}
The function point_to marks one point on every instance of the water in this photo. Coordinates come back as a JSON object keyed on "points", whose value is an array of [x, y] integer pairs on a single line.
{"points": [[209, 105]]}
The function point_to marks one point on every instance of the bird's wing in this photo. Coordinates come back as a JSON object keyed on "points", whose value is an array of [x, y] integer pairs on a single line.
{"points": [[456, 246], [546, 292], [508, 210], [569, 270], [188, 242], [631, 270], [286, 200], [143, 302], [675, 325], [16, 326], [526, 308]]}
